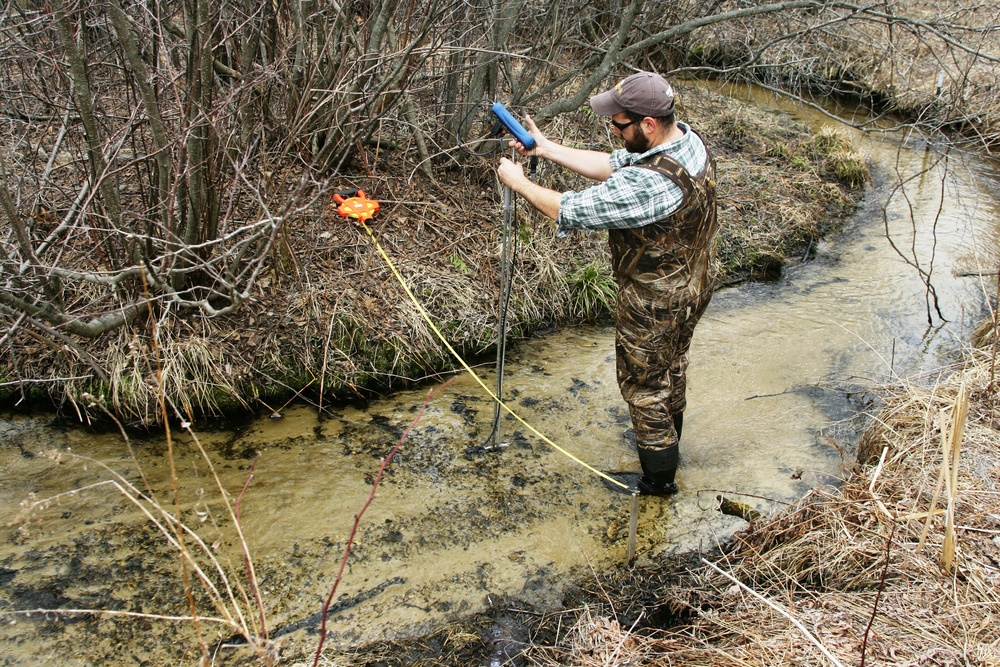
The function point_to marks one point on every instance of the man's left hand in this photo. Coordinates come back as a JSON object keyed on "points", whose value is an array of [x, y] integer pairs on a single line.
{"points": [[511, 173]]}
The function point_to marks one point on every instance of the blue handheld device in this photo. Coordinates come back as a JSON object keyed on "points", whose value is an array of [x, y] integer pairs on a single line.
{"points": [[513, 126]]}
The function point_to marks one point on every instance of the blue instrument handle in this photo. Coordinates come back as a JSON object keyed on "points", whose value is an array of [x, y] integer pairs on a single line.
{"points": [[513, 126]]}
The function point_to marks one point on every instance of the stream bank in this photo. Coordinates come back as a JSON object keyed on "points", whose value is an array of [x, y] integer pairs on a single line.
{"points": [[328, 322]]}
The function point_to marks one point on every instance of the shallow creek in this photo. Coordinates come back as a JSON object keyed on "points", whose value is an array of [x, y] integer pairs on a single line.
{"points": [[778, 376]]}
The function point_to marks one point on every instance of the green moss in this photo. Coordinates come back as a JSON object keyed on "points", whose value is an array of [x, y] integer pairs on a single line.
{"points": [[779, 150], [458, 263], [801, 162]]}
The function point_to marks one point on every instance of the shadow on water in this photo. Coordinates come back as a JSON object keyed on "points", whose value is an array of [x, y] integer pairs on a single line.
{"points": [[779, 374]]}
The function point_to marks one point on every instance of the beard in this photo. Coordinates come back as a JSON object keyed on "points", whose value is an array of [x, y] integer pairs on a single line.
{"points": [[639, 143]]}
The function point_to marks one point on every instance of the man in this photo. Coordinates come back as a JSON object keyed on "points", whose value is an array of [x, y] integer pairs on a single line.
{"points": [[657, 201]]}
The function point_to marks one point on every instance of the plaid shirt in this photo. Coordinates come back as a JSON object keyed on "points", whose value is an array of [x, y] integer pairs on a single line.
{"points": [[632, 197]]}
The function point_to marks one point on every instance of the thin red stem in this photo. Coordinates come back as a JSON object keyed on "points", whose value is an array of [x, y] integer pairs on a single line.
{"points": [[357, 518]]}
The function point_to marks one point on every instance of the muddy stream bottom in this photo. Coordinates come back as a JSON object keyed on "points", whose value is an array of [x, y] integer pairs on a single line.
{"points": [[458, 521]]}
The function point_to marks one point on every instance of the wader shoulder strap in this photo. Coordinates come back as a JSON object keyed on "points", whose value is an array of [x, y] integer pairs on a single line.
{"points": [[672, 169]]}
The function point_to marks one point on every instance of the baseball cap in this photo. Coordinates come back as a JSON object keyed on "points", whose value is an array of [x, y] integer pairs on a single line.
{"points": [[644, 93]]}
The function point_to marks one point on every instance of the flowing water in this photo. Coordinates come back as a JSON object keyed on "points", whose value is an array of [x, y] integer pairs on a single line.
{"points": [[779, 373]]}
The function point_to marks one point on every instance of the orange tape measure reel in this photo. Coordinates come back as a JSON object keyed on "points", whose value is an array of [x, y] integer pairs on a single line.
{"points": [[354, 204]]}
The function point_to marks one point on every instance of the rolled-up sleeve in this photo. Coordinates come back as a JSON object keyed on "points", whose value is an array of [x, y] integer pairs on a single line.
{"points": [[631, 197]]}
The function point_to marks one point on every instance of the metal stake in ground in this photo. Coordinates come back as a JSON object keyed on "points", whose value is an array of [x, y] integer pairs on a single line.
{"points": [[506, 279], [507, 250], [507, 120], [633, 528]]}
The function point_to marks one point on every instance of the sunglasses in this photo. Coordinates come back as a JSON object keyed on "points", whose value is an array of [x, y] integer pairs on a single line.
{"points": [[621, 126]]}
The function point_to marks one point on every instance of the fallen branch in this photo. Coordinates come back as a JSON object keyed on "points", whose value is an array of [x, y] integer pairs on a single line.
{"points": [[735, 508]]}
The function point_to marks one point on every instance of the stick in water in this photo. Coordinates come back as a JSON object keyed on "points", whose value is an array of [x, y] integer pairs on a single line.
{"points": [[633, 527]]}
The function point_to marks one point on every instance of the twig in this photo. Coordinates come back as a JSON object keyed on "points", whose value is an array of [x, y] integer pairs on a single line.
{"points": [[959, 416], [357, 517], [247, 563], [296, 395], [945, 454], [996, 334], [871, 486], [633, 526], [741, 493], [161, 401], [778, 609], [114, 612], [878, 596], [45, 380]]}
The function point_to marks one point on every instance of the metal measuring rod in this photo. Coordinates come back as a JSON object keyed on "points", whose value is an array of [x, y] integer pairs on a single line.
{"points": [[507, 247]]}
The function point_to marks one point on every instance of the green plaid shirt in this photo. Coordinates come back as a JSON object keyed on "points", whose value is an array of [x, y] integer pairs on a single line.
{"points": [[632, 197]]}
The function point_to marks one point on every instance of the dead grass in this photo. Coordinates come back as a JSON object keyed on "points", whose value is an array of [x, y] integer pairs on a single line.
{"points": [[847, 576], [913, 68], [784, 187]]}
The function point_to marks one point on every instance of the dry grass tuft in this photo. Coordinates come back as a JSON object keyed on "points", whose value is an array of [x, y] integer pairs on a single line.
{"points": [[600, 640]]}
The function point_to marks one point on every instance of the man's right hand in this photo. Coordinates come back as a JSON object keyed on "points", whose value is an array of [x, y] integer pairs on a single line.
{"points": [[541, 143], [511, 173]]}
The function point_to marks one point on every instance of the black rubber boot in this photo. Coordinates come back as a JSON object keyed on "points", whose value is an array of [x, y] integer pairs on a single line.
{"points": [[678, 423], [632, 483], [659, 466], [657, 477]]}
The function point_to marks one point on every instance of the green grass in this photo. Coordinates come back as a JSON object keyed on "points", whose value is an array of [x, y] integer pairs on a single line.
{"points": [[592, 290]]}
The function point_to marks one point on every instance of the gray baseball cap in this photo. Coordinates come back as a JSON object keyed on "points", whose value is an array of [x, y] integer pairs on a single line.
{"points": [[643, 93]]}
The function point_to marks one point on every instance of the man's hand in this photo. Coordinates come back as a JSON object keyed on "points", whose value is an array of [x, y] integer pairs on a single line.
{"points": [[541, 142], [512, 174]]}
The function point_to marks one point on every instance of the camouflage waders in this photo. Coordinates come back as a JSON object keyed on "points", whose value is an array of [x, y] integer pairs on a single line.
{"points": [[665, 278]]}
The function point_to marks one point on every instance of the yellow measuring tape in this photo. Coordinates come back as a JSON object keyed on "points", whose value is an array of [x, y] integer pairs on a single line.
{"points": [[468, 369]]}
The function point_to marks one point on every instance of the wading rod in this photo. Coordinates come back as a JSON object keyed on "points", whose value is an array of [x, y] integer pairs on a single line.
{"points": [[506, 280]]}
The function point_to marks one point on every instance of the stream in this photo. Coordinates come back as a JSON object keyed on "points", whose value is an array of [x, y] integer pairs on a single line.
{"points": [[779, 378]]}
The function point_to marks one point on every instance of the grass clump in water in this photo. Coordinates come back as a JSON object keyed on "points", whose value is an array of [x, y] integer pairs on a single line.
{"points": [[833, 147]]}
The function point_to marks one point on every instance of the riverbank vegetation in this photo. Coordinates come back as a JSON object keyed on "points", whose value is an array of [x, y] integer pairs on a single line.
{"points": [[326, 317], [168, 173]]}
